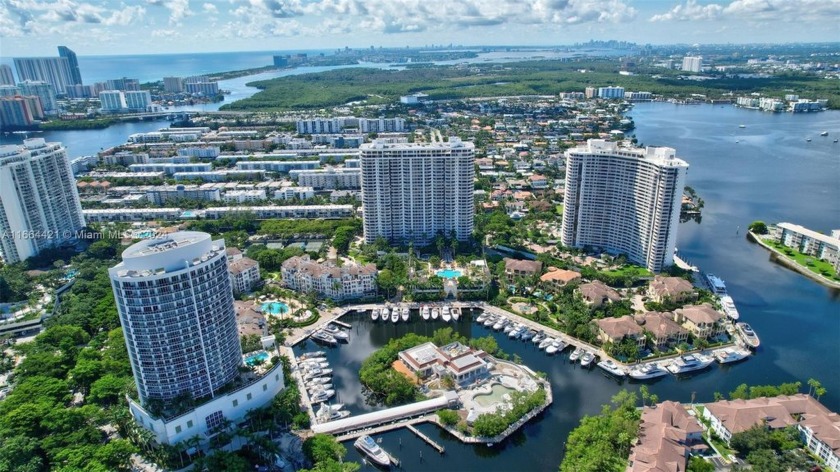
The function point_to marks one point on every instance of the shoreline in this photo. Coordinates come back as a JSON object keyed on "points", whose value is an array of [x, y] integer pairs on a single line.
{"points": [[789, 263]]}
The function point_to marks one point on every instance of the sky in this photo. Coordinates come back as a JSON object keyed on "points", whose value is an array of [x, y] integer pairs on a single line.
{"points": [[101, 27]]}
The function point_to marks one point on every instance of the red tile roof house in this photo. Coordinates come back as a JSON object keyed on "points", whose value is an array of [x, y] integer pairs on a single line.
{"points": [[667, 434], [665, 331], [613, 330], [596, 293], [556, 278], [675, 289], [521, 268], [818, 427], [702, 320]]}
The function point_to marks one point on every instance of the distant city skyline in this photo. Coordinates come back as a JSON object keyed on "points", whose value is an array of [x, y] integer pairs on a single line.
{"points": [[36, 27]]}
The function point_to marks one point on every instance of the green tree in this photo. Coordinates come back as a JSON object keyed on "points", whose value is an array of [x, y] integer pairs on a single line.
{"points": [[448, 417], [697, 464], [322, 448], [758, 227]]}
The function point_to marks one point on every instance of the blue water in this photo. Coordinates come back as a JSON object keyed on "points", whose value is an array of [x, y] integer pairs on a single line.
{"points": [[275, 308], [449, 273], [259, 357]]}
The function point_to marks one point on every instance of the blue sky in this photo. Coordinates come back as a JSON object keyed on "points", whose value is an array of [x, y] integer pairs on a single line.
{"points": [[90, 27]]}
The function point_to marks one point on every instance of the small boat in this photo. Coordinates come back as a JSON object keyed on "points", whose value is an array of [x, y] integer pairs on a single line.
{"points": [[611, 367], [517, 332], [742, 126], [500, 323], [456, 313], [647, 371], [324, 338], [482, 317], [374, 314], [586, 358], [824, 133], [424, 313], [538, 338], [553, 347], [384, 314], [545, 342], [574, 356], [309, 360], [395, 315], [376, 454], [728, 305], [317, 381], [528, 335], [490, 321], [314, 365], [435, 313], [336, 332], [317, 388], [322, 396], [328, 413], [836, 140], [731, 354], [509, 327], [310, 355], [808, 140], [689, 363], [313, 373], [748, 335], [405, 313], [445, 314]]}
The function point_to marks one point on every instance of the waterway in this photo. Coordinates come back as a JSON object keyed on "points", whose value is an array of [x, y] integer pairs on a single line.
{"points": [[771, 173]]}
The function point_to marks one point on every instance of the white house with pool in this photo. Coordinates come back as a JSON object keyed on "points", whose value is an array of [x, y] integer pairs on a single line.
{"points": [[463, 363]]}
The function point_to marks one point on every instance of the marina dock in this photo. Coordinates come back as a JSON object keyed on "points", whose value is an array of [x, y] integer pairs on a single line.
{"points": [[440, 449], [342, 324]]}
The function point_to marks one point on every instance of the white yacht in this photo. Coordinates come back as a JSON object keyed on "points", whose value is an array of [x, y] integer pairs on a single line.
{"points": [[483, 316], [395, 314], [313, 364], [528, 334], [545, 343], [586, 358], [731, 354], [509, 327], [311, 355], [748, 335], [689, 363], [538, 338], [554, 347], [322, 396], [374, 314], [405, 314], [368, 446], [424, 312], [611, 367], [385, 314], [716, 285], [575, 355], [500, 323], [490, 321], [647, 371], [435, 313], [338, 333], [729, 307], [456, 313], [446, 315]]}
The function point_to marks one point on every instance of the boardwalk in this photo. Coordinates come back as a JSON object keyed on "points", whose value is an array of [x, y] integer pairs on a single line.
{"points": [[440, 449]]}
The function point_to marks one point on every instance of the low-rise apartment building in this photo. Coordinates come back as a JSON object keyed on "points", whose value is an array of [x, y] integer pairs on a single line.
{"points": [[328, 280]]}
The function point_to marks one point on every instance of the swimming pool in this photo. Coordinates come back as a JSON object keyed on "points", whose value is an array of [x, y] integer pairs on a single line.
{"points": [[275, 308], [146, 234], [257, 358], [494, 397], [448, 273]]}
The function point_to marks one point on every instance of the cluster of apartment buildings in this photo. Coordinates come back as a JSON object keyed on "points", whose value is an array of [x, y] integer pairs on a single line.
{"points": [[822, 246], [329, 280], [350, 124], [791, 103]]}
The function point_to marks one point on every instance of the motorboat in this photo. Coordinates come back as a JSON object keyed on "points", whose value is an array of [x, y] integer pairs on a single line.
{"points": [[553, 347], [435, 313], [376, 454], [395, 315], [384, 314], [308, 360], [317, 388], [482, 317], [322, 396], [689, 363], [456, 313], [317, 372], [500, 323], [647, 371], [742, 126], [728, 306], [337, 333], [586, 358], [374, 314], [445, 314], [716, 284], [490, 321], [314, 365], [824, 133], [318, 381], [405, 314], [517, 332], [611, 367], [538, 338], [731, 354], [328, 413], [527, 335], [545, 342], [313, 354], [424, 312], [748, 335], [575, 355], [510, 327], [324, 338]]}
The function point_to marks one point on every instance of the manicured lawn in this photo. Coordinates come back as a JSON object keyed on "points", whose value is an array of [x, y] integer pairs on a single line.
{"points": [[630, 270], [809, 262], [559, 209]]}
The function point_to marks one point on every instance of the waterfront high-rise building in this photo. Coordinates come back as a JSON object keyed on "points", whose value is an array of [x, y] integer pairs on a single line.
{"points": [[73, 63], [20, 111], [624, 200], [610, 92], [52, 70], [39, 204], [112, 100], [9, 90], [44, 91], [692, 64], [173, 84], [175, 303], [415, 192], [137, 100], [6, 76]]}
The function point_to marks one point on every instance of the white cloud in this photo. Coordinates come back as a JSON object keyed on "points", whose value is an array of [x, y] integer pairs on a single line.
{"points": [[210, 8], [754, 10], [35, 17], [178, 9]]}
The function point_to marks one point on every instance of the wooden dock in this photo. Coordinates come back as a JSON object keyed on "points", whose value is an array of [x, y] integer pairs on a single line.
{"points": [[440, 449], [342, 324]]}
